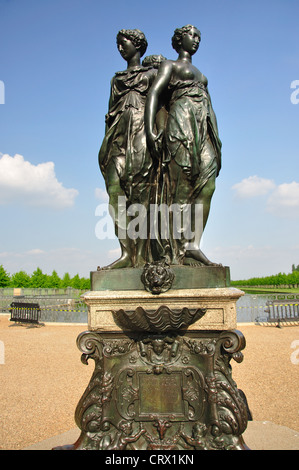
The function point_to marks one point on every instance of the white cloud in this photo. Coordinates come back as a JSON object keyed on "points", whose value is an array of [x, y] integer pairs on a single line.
{"points": [[35, 251], [246, 261], [253, 186], [101, 194], [115, 253], [284, 201], [34, 185]]}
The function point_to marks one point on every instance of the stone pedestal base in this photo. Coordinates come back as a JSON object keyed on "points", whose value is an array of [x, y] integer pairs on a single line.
{"points": [[162, 392], [162, 377], [197, 309]]}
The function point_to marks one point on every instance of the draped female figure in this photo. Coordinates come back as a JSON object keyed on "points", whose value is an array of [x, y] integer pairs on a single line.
{"points": [[192, 148]]}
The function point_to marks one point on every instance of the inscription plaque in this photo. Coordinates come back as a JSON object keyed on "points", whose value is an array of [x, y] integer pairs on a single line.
{"points": [[161, 394]]}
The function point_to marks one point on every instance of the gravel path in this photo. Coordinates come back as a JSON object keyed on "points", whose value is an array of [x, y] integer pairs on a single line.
{"points": [[42, 379]]}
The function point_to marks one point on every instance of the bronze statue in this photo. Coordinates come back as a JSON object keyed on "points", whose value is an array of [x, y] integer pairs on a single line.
{"points": [[161, 149], [192, 152], [162, 378], [124, 158]]}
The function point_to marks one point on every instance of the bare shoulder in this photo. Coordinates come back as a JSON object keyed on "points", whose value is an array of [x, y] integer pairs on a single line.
{"points": [[166, 66], [163, 76], [204, 80]]}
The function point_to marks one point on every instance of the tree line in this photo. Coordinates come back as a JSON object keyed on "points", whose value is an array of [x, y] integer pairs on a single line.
{"points": [[274, 280], [40, 280]]}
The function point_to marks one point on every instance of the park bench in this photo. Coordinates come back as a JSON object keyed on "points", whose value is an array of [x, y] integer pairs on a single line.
{"points": [[282, 311], [24, 312]]}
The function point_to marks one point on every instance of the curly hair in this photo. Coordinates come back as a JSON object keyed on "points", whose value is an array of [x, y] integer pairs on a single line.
{"points": [[136, 37], [178, 34], [153, 61]]}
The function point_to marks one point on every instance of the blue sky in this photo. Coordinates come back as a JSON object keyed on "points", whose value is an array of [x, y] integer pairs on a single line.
{"points": [[56, 61]]}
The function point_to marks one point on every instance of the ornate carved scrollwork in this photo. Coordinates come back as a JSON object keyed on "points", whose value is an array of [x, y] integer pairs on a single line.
{"points": [[160, 391], [233, 342], [232, 404], [88, 343]]}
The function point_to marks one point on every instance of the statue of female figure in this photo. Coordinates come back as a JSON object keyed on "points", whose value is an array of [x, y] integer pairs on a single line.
{"points": [[124, 158], [192, 151]]}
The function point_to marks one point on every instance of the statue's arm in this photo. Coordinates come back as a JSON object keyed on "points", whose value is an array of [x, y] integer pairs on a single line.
{"points": [[110, 104], [212, 113], [160, 84]]}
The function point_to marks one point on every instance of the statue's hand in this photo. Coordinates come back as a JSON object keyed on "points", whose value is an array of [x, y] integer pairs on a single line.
{"points": [[153, 144], [159, 139]]}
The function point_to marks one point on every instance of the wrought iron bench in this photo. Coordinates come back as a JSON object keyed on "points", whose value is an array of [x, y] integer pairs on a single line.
{"points": [[282, 311], [24, 312]]}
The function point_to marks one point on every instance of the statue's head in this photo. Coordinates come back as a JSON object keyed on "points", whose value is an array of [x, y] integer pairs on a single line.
{"points": [[153, 61], [179, 34], [136, 37]]}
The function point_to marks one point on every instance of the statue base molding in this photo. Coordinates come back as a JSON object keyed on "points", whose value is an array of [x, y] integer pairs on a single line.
{"points": [[195, 309], [185, 277]]}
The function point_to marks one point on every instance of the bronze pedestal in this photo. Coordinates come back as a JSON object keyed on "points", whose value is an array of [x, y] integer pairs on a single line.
{"points": [[162, 392], [162, 378]]}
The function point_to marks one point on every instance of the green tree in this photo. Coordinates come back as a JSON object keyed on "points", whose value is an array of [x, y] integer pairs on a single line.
{"points": [[4, 277], [85, 283], [293, 278], [53, 281], [66, 281], [20, 279], [38, 279], [76, 282]]}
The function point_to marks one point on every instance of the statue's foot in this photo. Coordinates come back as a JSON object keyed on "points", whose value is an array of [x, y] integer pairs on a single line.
{"points": [[123, 262], [140, 263], [191, 262], [199, 257]]}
